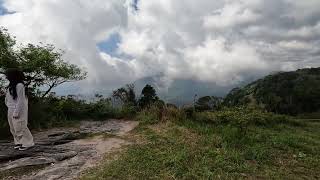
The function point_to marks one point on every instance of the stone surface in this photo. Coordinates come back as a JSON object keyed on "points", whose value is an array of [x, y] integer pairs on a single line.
{"points": [[66, 151]]}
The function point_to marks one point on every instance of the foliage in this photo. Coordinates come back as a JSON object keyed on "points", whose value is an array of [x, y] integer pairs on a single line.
{"points": [[160, 113], [290, 93], [189, 111], [42, 64], [55, 112], [238, 97], [173, 114], [171, 105], [149, 115], [128, 111], [196, 150], [148, 96], [126, 95], [241, 118], [208, 103]]}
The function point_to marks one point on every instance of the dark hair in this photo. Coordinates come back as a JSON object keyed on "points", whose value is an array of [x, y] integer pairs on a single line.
{"points": [[15, 76]]}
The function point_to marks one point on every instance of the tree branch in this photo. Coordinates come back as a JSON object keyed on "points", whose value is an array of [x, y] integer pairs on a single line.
{"points": [[47, 92]]}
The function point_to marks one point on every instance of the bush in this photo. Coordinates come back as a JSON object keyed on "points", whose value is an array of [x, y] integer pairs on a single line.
{"points": [[99, 110], [189, 111], [127, 111], [241, 118], [54, 112], [157, 113], [314, 115], [173, 114], [149, 115]]}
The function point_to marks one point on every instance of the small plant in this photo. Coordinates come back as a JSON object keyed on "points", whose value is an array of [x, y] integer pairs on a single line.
{"points": [[158, 112], [241, 118], [128, 111], [173, 114], [149, 115]]}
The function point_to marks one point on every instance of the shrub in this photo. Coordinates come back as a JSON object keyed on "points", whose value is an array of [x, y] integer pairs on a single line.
{"points": [[173, 114], [149, 115], [99, 110], [54, 112], [148, 97], [241, 118], [189, 111], [169, 105], [208, 103], [314, 115], [157, 113], [127, 111]]}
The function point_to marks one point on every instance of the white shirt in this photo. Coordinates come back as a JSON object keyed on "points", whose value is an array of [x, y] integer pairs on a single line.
{"points": [[20, 103]]}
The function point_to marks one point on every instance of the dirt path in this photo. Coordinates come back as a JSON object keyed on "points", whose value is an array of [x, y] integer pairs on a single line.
{"points": [[64, 153]]}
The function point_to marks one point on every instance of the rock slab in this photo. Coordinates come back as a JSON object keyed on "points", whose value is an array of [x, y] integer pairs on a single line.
{"points": [[66, 152]]}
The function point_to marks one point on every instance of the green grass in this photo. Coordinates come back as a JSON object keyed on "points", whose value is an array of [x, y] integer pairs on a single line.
{"points": [[200, 150]]}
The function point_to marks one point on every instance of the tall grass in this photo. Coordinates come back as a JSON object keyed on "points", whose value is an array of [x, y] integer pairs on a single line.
{"points": [[155, 114], [240, 117], [237, 143]]}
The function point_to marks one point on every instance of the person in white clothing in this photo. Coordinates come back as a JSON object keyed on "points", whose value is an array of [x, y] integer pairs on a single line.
{"points": [[17, 103]]}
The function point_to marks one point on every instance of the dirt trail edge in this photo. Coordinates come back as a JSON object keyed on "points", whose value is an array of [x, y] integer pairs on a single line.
{"points": [[65, 152]]}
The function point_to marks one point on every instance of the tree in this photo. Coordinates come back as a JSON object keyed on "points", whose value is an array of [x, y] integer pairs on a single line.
{"points": [[208, 103], [6, 53], [126, 95], [43, 65], [293, 93], [148, 96], [98, 96]]}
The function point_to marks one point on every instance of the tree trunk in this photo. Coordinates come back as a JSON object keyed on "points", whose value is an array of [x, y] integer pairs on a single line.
{"points": [[47, 92]]}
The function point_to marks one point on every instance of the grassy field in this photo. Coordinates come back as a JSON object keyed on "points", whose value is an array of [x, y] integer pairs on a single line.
{"points": [[189, 149]]}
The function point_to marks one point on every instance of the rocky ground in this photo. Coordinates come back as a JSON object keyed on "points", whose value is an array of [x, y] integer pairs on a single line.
{"points": [[64, 153]]}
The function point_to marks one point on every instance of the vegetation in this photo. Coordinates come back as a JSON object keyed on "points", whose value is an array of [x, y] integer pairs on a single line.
{"points": [[211, 146], [43, 65], [57, 112], [126, 95], [213, 141], [290, 93], [148, 97], [208, 103], [245, 135]]}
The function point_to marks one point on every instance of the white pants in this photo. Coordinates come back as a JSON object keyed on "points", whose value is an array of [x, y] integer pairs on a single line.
{"points": [[19, 128]]}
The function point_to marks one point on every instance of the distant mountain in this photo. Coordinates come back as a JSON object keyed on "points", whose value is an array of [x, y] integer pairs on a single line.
{"points": [[292, 93], [182, 92]]}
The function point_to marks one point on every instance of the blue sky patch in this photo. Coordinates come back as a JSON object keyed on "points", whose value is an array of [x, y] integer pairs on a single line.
{"points": [[135, 5], [110, 45], [3, 10]]}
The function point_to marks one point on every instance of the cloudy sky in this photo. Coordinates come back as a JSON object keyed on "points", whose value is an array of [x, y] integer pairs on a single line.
{"points": [[221, 41]]}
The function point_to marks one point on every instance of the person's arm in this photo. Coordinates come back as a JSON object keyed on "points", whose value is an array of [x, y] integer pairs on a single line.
{"points": [[21, 98]]}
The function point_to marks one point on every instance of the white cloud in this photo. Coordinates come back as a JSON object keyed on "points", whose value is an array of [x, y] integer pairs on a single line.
{"points": [[221, 41], [218, 62], [74, 26], [229, 16], [294, 45]]}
